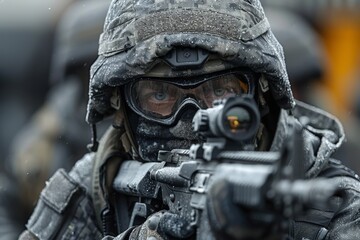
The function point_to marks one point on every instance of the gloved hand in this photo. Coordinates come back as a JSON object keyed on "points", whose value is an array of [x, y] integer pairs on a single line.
{"points": [[229, 220], [162, 225]]}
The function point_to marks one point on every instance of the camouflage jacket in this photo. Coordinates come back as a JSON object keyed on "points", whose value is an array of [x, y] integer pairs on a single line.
{"points": [[72, 205]]}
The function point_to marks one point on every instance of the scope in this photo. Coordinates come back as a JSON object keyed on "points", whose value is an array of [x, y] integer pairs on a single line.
{"points": [[236, 118]]}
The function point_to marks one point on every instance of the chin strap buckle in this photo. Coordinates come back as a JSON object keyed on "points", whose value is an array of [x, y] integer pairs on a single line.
{"points": [[93, 146]]}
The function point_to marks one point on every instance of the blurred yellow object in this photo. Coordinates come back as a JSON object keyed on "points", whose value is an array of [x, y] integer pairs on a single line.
{"points": [[341, 36]]}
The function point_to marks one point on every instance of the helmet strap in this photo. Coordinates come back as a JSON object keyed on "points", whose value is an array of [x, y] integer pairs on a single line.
{"points": [[122, 121], [93, 146]]}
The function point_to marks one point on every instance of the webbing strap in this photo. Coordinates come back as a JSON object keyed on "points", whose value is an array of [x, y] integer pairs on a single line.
{"points": [[48, 216], [177, 21]]}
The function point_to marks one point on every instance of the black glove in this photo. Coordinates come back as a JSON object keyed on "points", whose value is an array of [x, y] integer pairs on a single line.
{"points": [[229, 220], [163, 225]]}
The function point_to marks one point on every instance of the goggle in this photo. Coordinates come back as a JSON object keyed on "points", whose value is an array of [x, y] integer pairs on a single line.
{"points": [[162, 100]]}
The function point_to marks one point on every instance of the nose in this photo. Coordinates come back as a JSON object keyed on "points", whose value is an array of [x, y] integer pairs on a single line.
{"points": [[190, 92], [188, 109], [194, 93]]}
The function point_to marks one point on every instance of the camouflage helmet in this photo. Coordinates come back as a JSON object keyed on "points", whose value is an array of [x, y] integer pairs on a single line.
{"points": [[137, 34]]}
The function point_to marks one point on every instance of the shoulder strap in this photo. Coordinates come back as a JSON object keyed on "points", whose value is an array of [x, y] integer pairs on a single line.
{"points": [[108, 158], [52, 205], [337, 169], [315, 224], [59, 214]]}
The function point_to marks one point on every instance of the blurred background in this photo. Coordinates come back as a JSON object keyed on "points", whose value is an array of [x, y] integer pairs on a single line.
{"points": [[26, 41], [46, 50], [47, 47], [321, 40]]}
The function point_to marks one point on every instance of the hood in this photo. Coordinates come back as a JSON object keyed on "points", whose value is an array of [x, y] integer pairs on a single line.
{"points": [[323, 135], [138, 33]]}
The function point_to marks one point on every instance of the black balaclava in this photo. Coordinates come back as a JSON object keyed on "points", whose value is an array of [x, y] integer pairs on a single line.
{"points": [[151, 137]]}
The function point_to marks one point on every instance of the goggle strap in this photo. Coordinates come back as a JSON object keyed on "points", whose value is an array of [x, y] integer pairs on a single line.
{"points": [[264, 84], [93, 146], [121, 121], [115, 99]]}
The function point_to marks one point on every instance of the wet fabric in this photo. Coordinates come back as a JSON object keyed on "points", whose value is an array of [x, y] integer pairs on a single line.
{"points": [[323, 136], [241, 37], [131, 48]]}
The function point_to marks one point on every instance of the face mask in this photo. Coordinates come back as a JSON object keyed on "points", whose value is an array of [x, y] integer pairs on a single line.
{"points": [[161, 110], [152, 136]]}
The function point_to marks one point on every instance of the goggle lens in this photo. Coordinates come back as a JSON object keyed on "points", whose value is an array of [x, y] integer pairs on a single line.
{"points": [[157, 99]]}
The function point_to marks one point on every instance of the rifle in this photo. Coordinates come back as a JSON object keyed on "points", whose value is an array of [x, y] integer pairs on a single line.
{"points": [[267, 189]]}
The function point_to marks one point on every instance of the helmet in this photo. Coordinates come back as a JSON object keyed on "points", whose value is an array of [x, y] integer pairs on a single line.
{"points": [[139, 34], [75, 49], [77, 37]]}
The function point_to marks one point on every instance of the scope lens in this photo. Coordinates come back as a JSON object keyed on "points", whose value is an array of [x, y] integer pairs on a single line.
{"points": [[237, 120]]}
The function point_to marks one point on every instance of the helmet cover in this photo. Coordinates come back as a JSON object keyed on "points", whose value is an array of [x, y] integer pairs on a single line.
{"points": [[137, 34]]}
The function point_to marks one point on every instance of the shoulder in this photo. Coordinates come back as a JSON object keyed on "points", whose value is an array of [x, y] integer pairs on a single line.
{"points": [[82, 171], [65, 207], [345, 222], [337, 219]]}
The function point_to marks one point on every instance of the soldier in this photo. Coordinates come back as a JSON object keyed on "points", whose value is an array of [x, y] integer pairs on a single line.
{"points": [[159, 62]]}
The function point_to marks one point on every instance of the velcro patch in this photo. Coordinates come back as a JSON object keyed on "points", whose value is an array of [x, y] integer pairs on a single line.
{"points": [[59, 191]]}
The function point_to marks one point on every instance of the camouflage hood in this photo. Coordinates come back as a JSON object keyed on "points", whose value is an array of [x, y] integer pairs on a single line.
{"points": [[323, 135], [138, 33]]}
